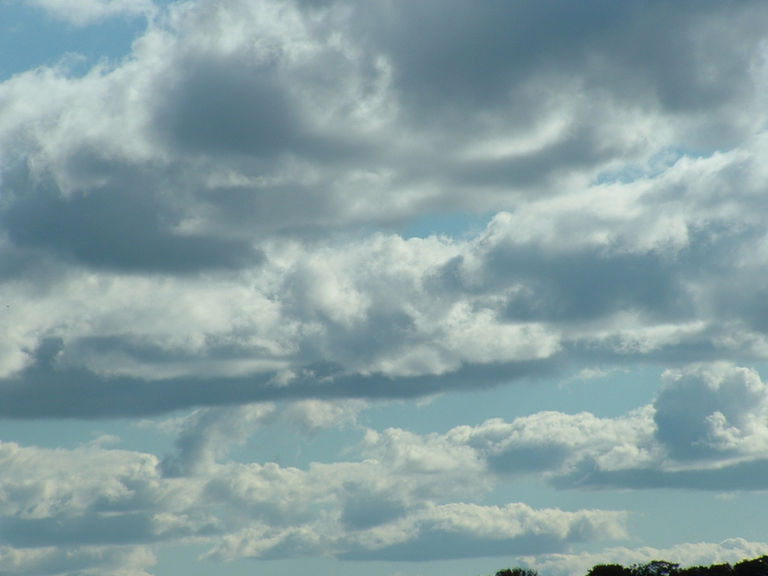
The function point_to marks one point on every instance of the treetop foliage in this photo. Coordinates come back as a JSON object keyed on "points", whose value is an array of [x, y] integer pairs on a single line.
{"points": [[754, 567], [517, 572]]}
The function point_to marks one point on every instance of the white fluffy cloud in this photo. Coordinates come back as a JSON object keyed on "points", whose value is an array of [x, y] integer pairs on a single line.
{"points": [[407, 497], [453, 531], [706, 429], [106, 506], [713, 411]]}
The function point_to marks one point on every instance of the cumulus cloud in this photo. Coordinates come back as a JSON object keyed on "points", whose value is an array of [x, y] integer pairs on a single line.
{"points": [[89, 510], [387, 317], [706, 429], [712, 410], [92, 496], [107, 505], [407, 497], [201, 212], [468, 530], [552, 441], [375, 512]]}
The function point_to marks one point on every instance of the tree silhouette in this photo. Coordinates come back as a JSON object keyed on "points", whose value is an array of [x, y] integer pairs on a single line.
{"points": [[754, 567], [517, 571], [713, 570], [609, 570], [654, 568]]}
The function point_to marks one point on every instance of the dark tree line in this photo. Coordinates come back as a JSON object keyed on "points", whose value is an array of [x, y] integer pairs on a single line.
{"points": [[517, 572], [755, 567]]}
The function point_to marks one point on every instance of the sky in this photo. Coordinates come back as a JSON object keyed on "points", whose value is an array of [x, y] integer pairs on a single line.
{"points": [[393, 288]]}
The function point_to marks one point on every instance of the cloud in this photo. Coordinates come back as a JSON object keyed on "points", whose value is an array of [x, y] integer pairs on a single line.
{"points": [[385, 317], [89, 510], [207, 435], [708, 432], [92, 496], [705, 430], [406, 497], [223, 205], [219, 222], [481, 54], [713, 409], [367, 314], [314, 415], [117, 561], [437, 532], [552, 441], [106, 505], [134, 234], [467, 530]]}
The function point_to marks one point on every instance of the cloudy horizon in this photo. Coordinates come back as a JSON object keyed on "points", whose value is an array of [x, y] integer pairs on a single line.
{"points": [[395, 288]]}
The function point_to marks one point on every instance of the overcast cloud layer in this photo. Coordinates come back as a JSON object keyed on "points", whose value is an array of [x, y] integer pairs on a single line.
{"points": [[234, 220]]}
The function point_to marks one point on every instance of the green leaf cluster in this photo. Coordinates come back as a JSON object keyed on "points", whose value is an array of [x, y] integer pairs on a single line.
{"points": [[753, 567]]}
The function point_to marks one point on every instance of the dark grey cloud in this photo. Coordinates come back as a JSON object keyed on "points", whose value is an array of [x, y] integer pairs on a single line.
{"points": [[258, 111], [365, 509], [590, 284], [47, 390], [263, 103], [125, 225], [460, 54], [580, 148], [541, 457], [738, 476], [445, 53], [89, 530], [228, 106], [283, 209], [234, 107]]}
